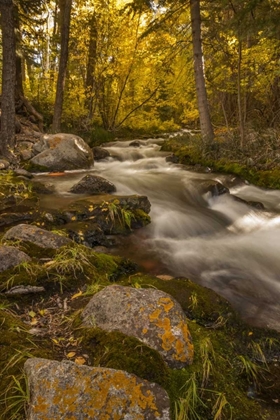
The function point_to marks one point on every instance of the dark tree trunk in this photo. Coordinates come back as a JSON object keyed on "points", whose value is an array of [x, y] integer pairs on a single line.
{"points": [[90, 79], [65, 14], [203, 109], [8, 78]]}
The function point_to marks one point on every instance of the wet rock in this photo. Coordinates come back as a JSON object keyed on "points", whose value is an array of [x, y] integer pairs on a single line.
{"points": [[99, 153], [152, 316], [37, 236], [93, 184], [88, 234], [60, 152], [45, 188], [215, 188], [255, 204], [134, 202], [8, 219], [10, 257], [172, 158], [61, 390], [135, 143]]}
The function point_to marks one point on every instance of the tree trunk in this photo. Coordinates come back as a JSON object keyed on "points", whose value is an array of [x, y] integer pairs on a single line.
{"points": [[239, 96], [65, 14], [203, 109], [91, 64], [8, 78]]}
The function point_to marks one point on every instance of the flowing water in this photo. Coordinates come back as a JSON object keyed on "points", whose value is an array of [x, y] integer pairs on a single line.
{"points": [[218, 242]]}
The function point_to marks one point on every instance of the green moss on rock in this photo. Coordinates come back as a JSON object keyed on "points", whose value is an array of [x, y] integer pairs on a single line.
{"points": [[118, 351]]}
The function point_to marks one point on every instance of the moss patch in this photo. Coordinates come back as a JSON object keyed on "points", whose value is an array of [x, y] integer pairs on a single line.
{"points": [[118, 351]]}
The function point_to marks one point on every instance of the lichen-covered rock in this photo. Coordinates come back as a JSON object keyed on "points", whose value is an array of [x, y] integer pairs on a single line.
{"points": [[60, 152], [93, 184], [10, 257], [152, 316], [37, 236], [69, 391]]}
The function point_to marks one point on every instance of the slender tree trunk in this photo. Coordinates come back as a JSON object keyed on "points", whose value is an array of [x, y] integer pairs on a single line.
{"points": [[203, 109], [90, 79], [239, 96], [8, 78], [65, 13]]}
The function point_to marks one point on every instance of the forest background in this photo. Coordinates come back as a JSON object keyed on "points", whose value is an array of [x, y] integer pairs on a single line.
{"points": [[97, 67]]}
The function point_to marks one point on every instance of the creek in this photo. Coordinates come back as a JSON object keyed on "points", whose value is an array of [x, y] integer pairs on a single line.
{"points": [[216, 241]]}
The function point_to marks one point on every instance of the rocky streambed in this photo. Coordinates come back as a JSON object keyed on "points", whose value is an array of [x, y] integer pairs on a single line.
{"points": [[88, 335]]}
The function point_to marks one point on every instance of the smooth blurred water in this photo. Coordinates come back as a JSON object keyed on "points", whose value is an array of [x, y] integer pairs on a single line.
{"points": [[219, 242]]}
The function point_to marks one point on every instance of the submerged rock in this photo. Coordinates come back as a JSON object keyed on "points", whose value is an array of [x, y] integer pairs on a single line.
{"points": [[37, 236], [10, 257], [61, 390], [152, 316], [93, 184], [60, 152]]}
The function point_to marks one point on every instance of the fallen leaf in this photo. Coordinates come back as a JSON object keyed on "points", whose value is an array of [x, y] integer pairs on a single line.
{"points": [[32, 314], [80, 360], [71, 354], [76, 295]]}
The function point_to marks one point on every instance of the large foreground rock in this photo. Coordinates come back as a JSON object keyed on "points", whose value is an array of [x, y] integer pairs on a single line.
{"points": [[93, 184], [60, 152], [152, 316], [37, 236], [10, 257], [68, 391]]}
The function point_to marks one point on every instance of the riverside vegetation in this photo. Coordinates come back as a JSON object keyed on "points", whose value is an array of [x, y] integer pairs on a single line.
{"points": [[235, 373]]}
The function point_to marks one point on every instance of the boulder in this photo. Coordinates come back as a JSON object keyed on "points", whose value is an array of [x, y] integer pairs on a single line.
{"points": [[93, 184], [10, 257], [152, 316], [60, 152], [99, 153], [64, 390], [37, 236]]}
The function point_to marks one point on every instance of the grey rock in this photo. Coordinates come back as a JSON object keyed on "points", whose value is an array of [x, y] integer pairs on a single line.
{"points": [[64, 390], [152, 316], [37, 236], [11, 257]]}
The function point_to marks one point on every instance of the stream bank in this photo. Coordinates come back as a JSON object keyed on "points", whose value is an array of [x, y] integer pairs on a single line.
{"points": [[235, 371]]}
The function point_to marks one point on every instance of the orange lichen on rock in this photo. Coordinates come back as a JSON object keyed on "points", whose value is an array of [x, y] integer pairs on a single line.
{"points": [[152, 316], [65, 390]]}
